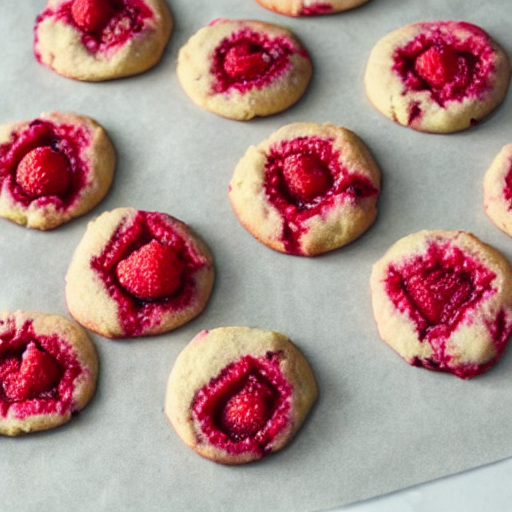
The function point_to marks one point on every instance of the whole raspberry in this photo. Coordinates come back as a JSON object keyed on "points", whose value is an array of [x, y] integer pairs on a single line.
{"points": [[246, 61], [306, 176], [152, 272], [43, 172], [438, 65], [91, 15]]}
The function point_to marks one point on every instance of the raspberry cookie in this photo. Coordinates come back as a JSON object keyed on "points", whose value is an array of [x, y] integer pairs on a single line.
{"points": [[236, 394], [308, 189], [241, 69], [443, 301], [309, 7], [438, 77], [94, 40], [137, 273], [498, 190], [48, 371], [53, 169]]}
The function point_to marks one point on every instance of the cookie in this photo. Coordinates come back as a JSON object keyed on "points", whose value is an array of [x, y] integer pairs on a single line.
{"points": [[48, 371], [307, 189], [241, 69], [95, 40], [498, 190], [309, 7], [138, 273], [53, 169], [443, 301], [438, 77], [237, 394]]}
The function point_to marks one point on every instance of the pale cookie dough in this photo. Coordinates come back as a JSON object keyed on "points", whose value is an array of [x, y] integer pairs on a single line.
{"points": [[438, 77], [95, 40], [443, 301], [498, 190], [241, 69], [237, 394], [137, 273], [309, 7], [48, 371], [308, 189], [53, 169]]}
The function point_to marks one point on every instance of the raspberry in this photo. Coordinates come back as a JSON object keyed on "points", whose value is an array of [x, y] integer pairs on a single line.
{"points": [[247, 412], [306, 176], [438, 65], [39, 372], [91, 15], [246, 61], [152, 272], [43, 172]]}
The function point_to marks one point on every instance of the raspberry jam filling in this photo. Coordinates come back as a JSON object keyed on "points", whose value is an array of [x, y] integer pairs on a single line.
{"points": [[440, 290], [246, 406], [37, 373], [507, 189], [42, 163], [316, 9], [248, 59], [148, 268], [105, 24], [450, 68], [304, 177]]}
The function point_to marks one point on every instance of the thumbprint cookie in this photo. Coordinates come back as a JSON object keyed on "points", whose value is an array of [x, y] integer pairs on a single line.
{"points": [[437, 77], [498, 190], [443, 301], [48, 371], [307, 189], [96, 40], [138, 273], [237, 394], [309, 7], [53, 169], [241, 69]]}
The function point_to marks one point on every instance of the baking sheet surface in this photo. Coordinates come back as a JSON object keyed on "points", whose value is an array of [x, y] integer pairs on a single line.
{"points": [[379, 425]]}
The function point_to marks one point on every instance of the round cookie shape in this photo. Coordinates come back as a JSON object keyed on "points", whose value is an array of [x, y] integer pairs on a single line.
{"points": [[498, 190], [438, 77], [241, 69], [443, 301], [138, 273], [307, 189], [48, 371], [53, 169], [309, 7], [96, 40], [237, 394]]}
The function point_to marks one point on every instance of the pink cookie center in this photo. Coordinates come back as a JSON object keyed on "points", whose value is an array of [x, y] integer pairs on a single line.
{"points": [[149, 269], [507, 189], [246, 406], [43, 162], [37, 374], [249, 59], [448, 67], [105, 24], [305, 177]]}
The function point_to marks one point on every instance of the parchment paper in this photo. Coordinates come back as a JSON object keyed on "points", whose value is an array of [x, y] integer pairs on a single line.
{"points": [[379, 424]]}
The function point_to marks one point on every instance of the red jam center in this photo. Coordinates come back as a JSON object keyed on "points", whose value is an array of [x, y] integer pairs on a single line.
{"points": [[507, 190], [142, 299], [37, 373], [439, 290], [304, 177], [151, 272], [43, 163], [246, 406], [316, 9], [449, 68], [105, 24], [248, 59]]}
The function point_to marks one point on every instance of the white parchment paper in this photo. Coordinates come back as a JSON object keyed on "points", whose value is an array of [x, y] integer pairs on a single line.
{"points": [[379, 424]]}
